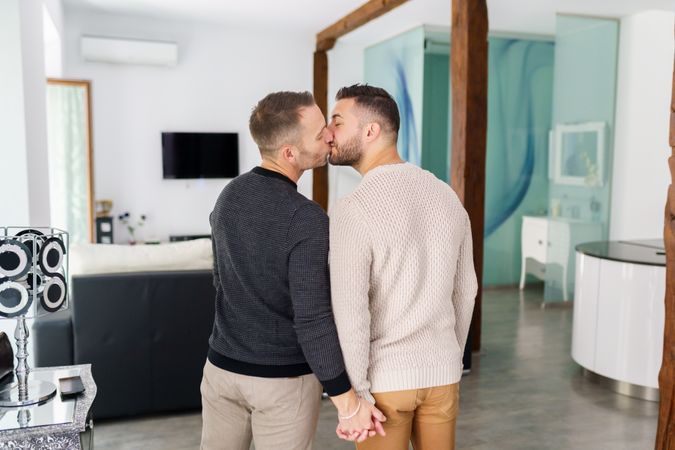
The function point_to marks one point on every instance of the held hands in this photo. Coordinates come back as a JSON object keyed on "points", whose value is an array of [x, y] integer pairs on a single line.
{"points": [[358, 419], [364, 421]]}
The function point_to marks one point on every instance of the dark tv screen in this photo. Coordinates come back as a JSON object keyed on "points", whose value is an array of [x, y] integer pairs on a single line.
{"points": [[200, 155]]}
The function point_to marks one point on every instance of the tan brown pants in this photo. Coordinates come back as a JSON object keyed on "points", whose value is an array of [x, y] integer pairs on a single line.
{"points": [[277, 413], [426, 417]]}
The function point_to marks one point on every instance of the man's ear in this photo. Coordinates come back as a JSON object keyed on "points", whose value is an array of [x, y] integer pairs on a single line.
{"points": [[372, 131], [287, 153]]}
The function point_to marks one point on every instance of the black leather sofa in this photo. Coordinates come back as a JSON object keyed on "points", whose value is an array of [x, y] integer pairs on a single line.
{"points": [[145, 334]]}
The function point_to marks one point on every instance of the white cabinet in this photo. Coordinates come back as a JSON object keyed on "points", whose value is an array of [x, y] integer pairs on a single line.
{"points": [[534, 245], [548, 243]]}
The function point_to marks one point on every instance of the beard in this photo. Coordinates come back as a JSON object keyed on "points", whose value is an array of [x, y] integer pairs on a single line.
{"points": [[348, 153]]}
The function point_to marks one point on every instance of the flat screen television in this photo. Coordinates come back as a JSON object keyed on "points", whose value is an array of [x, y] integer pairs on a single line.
{"points": [[200, 155]]}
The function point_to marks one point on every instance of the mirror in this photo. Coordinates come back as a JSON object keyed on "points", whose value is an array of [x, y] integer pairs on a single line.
{"points": [[578, 152]]}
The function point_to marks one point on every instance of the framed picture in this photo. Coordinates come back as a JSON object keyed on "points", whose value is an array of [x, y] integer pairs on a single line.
{"points": [[577, 154]]}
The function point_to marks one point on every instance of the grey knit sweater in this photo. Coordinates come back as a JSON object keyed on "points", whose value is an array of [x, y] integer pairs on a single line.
{"points": [[273, 309]]}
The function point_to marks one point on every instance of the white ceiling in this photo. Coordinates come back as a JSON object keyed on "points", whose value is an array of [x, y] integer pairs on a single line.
{"points": [[304, 15], [311, 16]]}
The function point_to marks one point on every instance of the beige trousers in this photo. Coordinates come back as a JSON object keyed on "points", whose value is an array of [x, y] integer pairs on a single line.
{"points": [[277, 413], [427, 417]]}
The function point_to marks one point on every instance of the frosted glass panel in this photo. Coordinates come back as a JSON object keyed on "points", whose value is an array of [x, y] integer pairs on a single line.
{"points": [[397, 65], [520, 90], [520, 83], [583, 97]]}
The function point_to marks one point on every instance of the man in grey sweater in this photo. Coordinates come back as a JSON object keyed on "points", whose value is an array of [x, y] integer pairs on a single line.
{"points": [[274, 342]]}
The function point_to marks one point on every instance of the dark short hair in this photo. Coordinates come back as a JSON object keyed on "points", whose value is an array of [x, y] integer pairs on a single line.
{"points": [[276, 118], [375, 100]]}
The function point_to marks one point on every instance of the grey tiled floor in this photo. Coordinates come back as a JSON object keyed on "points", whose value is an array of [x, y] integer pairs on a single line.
{"points": [[524, 392]]}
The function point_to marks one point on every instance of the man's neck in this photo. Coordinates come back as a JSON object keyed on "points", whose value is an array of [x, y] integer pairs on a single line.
{"points": [[289, 172], [384, 157]]}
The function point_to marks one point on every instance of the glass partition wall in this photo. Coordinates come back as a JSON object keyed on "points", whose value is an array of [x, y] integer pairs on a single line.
{"points": [[581, 144]]}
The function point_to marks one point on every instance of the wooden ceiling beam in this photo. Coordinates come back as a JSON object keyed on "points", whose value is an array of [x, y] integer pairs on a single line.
{"points": [[360, 16]]}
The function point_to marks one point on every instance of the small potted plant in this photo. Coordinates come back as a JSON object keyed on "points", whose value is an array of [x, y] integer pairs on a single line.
{"points": [[131, 225]]}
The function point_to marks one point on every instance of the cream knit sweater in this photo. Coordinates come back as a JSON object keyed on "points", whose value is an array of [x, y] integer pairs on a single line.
{"points": [[402, 279]]}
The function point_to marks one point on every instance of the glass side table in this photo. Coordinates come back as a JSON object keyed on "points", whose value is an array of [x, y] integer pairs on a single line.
{"points": [[56, 424]]}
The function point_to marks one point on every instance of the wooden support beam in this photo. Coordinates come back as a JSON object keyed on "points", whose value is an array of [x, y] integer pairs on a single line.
{"points": [[665, 434], [468, 69], [320, 174], [360, 16], [325, 45]]}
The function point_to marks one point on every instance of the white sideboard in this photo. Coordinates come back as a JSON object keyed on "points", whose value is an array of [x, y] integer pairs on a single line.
{"points": [[551, 241]]}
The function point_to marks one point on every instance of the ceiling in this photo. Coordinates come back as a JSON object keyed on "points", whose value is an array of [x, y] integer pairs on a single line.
{"points": [[311, 16]]}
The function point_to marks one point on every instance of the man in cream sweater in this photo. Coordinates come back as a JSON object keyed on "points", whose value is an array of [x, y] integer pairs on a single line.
{"points": [[402, 277]]}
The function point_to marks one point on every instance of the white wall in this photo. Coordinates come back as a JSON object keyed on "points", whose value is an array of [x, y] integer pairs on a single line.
{"points": [[35, 101], [24, 183], [52, 31], [55, 10], [14, 182], [221, 74], [641, 147]]}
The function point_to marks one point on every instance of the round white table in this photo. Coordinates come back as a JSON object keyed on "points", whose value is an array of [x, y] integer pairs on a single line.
{"points": [[619, 314]]}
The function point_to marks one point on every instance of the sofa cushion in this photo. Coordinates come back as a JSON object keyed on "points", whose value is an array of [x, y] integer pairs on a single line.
{"points": [[105, 258]]}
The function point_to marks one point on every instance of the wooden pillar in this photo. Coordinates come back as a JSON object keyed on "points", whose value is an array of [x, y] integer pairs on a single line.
{"points": [[320, 174], [665, 435], [468, 69]]}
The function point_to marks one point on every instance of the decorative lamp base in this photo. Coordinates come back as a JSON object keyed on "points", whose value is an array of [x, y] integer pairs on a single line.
{"points": [[38, 392]]}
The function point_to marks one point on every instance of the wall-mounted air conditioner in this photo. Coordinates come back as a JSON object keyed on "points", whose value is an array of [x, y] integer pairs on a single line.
{"points": [[129, 51]]}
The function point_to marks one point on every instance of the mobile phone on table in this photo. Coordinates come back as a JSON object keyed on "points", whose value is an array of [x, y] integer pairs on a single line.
{"points": [[70, 386]]}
